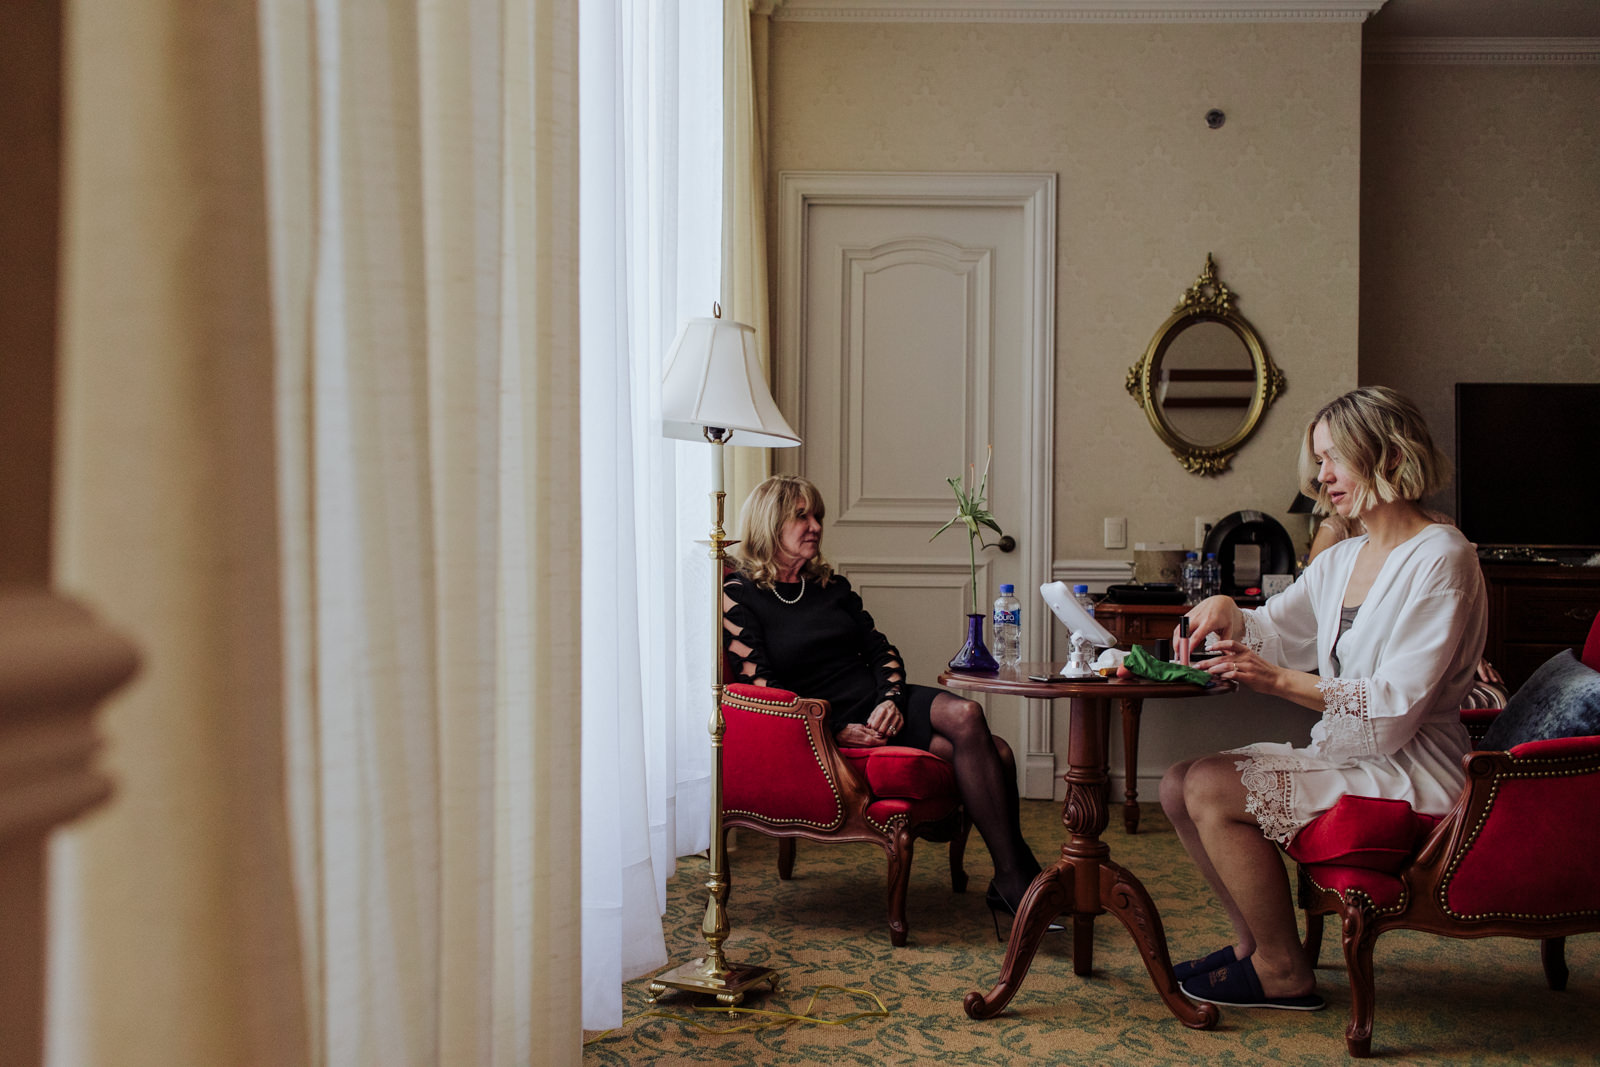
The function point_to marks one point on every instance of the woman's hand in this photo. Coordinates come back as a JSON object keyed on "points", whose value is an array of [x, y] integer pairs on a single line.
{"points": [[1487, 673], [886, 720], [1214, 615], [1239, 664], [859, 735]]}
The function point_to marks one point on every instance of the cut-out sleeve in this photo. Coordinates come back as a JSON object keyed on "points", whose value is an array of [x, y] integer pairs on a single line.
{"points": [[743, 640], [887, 666]]}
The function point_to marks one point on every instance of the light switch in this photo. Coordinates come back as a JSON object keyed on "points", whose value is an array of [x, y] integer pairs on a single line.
{"points": [[1116, 533]]}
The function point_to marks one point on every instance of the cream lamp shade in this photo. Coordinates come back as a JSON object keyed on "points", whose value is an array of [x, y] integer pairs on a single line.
{"points": [[713, 379]]}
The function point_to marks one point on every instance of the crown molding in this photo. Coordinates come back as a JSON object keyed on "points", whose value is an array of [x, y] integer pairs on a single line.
{"points": [[1506, 51], [1075, 10]]}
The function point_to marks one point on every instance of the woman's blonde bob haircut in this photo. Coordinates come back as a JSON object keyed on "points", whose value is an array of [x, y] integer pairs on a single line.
{"points": [[1383, 442], [770, 505]]}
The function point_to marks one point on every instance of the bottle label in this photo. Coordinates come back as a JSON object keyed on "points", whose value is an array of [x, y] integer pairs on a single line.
{"points": [[1002, 616]]}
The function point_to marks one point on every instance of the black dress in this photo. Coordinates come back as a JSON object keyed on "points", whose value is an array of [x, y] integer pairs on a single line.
{"points": [[823, 644]]}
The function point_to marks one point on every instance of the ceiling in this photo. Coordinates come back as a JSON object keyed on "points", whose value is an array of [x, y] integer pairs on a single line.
{"points": [[1486, 18], [1403, 31], [1413, 19]]}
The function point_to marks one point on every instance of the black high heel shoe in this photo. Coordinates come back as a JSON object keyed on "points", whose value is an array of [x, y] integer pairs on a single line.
{"points": [[998, 904]]}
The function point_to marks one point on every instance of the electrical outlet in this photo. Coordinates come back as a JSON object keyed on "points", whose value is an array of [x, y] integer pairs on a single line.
{"points": [[1116, 533]]}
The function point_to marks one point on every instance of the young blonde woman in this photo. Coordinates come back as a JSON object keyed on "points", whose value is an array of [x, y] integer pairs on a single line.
{"points": [[793, 624], [1392, 624]]}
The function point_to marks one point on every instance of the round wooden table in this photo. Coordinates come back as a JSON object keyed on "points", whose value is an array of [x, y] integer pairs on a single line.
{"points": [[1084, 882]]}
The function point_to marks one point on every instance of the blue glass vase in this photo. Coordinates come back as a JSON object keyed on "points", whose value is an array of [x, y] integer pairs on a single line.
{"points": [[975, 657]]}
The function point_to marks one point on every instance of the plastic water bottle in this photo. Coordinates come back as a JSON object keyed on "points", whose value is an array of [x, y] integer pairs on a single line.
{"points": [[1213, 575], [1007, 626], [1080, 593], [1193, 579]]}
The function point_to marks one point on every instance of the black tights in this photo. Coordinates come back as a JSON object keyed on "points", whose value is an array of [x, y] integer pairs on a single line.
{"points": [[986, 775]]}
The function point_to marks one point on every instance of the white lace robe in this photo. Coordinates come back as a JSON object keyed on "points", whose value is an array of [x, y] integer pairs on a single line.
{"points": [[1392, 726]]}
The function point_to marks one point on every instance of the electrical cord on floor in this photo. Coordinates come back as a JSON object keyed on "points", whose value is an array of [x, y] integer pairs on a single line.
{"points": [[774, 1018]]}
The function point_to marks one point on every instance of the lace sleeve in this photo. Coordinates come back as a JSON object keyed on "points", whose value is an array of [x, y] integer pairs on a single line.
{"points": [[1253, 638], [1346, 728], [743, 641]]}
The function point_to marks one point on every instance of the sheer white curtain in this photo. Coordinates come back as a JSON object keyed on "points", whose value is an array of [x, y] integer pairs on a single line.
{"points": [[319, 456], [651, 232]]}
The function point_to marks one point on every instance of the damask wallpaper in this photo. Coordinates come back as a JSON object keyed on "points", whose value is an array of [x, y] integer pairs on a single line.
{"points": [[1146, 190], [1480, 231]]}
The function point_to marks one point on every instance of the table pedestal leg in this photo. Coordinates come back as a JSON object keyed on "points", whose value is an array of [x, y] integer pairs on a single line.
{"points": [[1049, 895], [1083, 883]]}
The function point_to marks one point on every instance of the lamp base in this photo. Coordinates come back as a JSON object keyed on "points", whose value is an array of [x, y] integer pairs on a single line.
{"points": [[700, 976]]}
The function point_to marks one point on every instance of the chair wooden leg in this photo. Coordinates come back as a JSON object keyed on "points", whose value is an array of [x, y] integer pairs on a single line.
{"points": [[1358, 938], [785, 858], [1553, 954], [898, 850], [958, 853]]}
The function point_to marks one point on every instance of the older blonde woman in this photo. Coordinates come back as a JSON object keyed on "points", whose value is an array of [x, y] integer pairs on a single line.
{"points": [[794, 624], [1392, 624]]}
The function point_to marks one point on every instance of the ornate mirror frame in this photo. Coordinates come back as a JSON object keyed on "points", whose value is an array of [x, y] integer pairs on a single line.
{"points": [[1207, 300]]}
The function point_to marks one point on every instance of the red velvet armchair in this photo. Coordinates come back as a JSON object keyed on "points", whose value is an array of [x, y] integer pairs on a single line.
{"points": [[1518, 856], [784, 776]]}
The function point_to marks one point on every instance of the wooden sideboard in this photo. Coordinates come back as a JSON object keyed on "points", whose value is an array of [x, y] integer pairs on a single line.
{"points": [[1138, 624], [1535, 611]]}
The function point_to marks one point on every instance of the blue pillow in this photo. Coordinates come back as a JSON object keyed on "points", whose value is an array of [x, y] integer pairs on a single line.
{"points": [[1562, 699]]}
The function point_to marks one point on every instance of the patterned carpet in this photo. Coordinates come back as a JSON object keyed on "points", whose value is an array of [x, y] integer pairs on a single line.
{"points": [[1439, 1001]]}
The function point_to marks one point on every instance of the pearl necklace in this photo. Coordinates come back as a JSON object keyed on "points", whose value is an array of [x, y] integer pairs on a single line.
{"points": [[797, 596]]}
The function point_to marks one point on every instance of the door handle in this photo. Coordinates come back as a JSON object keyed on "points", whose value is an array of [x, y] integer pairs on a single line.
{"points": [[1007, 543]]}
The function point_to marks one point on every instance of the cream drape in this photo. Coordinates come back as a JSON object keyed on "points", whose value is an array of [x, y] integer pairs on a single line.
{"points": [[318, 440], [744, 238]]}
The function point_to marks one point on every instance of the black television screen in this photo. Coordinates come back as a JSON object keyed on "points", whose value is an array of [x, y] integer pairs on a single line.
{"points": [[1525, 464]]}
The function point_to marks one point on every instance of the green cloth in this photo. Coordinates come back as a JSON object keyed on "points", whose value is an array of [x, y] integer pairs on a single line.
{"points": [[1145, 665]]}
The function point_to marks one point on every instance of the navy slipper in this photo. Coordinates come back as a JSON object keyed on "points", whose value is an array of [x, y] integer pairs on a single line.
{"points": [[1236, 986], [1205, 964]]}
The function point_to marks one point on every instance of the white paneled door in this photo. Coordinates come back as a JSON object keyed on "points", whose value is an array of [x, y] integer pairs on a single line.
{"points": [[915, 333]]}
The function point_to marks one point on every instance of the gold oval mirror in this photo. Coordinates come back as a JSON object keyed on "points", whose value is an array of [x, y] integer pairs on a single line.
{"points": [[1205, 381]]}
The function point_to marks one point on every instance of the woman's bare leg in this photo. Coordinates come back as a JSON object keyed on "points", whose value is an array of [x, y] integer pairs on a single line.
{"points": [[1172, 802], [986, 775], [1248, 873]]}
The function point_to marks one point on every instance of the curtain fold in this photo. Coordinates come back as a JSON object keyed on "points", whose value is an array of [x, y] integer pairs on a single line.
{"points": [[173, 931], [651, 236], [320, 425], [744, 277]]}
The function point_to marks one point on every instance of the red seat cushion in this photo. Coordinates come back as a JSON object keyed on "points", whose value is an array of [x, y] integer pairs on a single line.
{"points": [[1367, 832], [904, 773], [916, 812], [1383, 890]]}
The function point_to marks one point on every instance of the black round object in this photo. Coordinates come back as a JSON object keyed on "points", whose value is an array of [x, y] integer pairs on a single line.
{"points": [[1250, 528]]}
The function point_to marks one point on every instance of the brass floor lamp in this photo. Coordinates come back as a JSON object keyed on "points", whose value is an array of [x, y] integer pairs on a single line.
{"points": [[713, 389]]}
